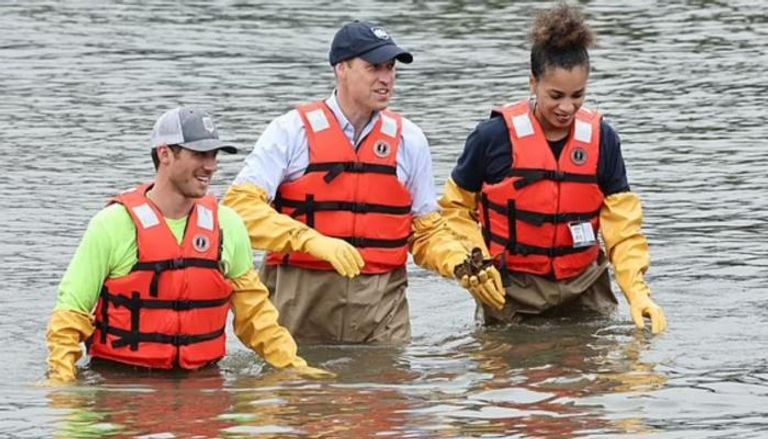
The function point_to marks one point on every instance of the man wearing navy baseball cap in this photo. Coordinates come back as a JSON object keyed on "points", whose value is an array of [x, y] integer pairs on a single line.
{"points": [[338, 192]]}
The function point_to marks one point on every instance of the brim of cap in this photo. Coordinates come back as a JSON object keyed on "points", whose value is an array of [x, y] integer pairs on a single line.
{"points": [[206, 145], [387, 53]]}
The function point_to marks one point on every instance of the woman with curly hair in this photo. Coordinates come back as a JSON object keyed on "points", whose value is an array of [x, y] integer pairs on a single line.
{"points": [[542, 177]]}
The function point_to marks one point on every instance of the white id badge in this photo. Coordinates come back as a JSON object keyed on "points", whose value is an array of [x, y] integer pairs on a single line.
{"points": [[583, 234]]}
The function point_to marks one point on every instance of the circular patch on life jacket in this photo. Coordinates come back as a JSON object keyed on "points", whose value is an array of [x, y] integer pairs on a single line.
{"points": [[579, 156], [201, 243], [382, 149]]}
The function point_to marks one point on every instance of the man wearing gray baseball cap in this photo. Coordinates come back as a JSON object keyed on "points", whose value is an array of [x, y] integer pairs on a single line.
{"points": [[153, 280], [339, 192]]}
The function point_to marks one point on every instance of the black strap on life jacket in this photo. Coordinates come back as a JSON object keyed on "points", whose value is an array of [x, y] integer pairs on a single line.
{"points": [[129, 338], [334, 169], [104, 313], [511, 215], [378, 243], [309, 206], [159, 267], [135, 304], [486, 220], [537, 218], [530, 176], [525, 250]]}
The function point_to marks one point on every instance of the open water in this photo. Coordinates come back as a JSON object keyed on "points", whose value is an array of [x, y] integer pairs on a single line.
{"points": [[81, 83]]}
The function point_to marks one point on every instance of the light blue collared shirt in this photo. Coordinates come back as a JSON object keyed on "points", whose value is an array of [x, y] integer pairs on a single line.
{"points": [[282, 154]]}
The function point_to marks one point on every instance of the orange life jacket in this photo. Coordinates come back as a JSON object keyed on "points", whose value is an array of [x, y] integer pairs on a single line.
{"points": [[526, 216], [171, 308], [354, 196]]}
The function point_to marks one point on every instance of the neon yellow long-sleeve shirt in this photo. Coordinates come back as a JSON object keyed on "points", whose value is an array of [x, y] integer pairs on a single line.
{"points": [[108, 250]]}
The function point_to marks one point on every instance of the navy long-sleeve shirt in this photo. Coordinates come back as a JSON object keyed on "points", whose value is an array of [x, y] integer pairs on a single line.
{"points": [[487, 157]]}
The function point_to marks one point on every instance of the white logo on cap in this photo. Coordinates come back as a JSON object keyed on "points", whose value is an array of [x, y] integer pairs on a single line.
{"points": [[208, 124], [380, 33]]}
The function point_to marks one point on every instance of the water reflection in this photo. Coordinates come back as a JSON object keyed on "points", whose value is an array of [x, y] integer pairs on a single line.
{"points": [[538, 375], [121, 403], [530, 380]]}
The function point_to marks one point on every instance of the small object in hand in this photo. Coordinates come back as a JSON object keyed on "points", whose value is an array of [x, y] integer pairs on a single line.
{"points": [[473, 265]]}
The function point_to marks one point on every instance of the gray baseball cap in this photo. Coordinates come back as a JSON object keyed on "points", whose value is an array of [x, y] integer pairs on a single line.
{"points": [[189, 128]]}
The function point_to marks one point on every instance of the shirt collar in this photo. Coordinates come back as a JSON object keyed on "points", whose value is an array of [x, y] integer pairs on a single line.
{"points": [[333, 103]]}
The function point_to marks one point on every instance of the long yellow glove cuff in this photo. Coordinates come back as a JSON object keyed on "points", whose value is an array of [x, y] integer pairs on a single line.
{"points": [[267, 228], [434, 246], [255, 323], [459, 208], [66, 331], [621, 220]]}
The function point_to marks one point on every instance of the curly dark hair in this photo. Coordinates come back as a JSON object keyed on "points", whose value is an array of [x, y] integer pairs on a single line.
{"points": [[560, 38]]}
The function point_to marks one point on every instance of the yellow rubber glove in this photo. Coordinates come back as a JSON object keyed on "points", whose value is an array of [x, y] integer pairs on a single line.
{"points": [[486, 287], [255, 324], [345, 258], [267, 228], [66, 331], [273, 231], [481, 278], [435, 247], [313, 373], [459, 208], [621, 220]]}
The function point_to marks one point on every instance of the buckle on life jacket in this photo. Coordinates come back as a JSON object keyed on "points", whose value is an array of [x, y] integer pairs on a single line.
{"points": [[334, 172], [531, 177], [176, 264]]}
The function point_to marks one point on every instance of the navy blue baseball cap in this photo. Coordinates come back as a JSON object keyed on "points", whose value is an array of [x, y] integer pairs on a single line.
{"points": [[367, 41]]}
